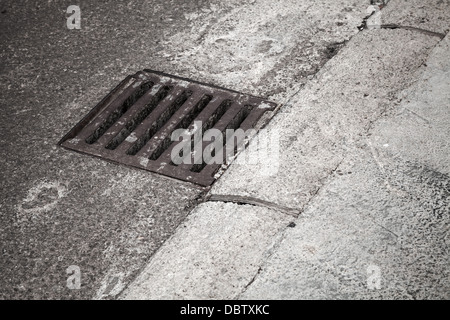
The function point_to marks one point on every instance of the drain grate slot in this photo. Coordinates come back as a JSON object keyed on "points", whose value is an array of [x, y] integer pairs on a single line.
{"points": [[217, 115], [141, 116], [165, 116], [240, 117], [133, 125], [184, 124], [234, 124], [209, 124], [113, 117]]}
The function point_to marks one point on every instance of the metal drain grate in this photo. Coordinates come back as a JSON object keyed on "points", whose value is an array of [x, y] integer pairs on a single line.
{"points": [[134, 123]]}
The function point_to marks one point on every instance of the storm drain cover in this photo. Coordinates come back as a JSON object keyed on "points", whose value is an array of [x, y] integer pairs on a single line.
{"points": [[158, 122]]}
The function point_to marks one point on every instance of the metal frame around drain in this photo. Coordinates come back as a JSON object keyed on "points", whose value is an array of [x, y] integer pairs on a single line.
{"points": [[142, 97]]}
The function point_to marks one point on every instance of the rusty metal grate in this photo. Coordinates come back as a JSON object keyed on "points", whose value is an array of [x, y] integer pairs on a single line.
{"points": [[133, 124]]}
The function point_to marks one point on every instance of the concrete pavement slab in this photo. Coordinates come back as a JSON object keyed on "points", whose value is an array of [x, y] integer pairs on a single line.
{"points": [[419, 128], [362, 239], [329, 116], [214, 254], [379, 229]]}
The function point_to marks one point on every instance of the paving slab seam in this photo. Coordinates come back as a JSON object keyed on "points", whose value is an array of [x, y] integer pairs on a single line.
{"points": [[424, 31], [326, 181], [282, 233], [242, 200], [383, 5], [271, 250], [397, 26]]}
